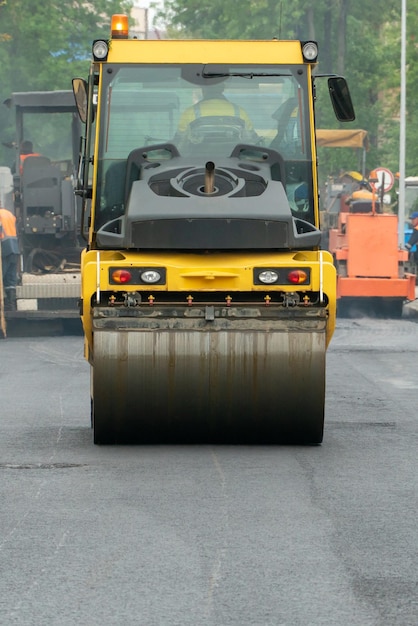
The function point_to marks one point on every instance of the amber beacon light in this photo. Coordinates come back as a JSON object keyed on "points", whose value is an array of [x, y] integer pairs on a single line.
{"points": [[119, 26]]}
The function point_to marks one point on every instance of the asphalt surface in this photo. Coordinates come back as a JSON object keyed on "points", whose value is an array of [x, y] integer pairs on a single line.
{"points": [[211, 535]]}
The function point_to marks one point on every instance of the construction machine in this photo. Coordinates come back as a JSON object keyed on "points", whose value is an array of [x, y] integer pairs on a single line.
{"points": [[372, 269], [207, 303], [47, 211]]}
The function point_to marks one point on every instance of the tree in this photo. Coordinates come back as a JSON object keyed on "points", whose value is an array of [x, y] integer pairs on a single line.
{"points": [[43, 45]]}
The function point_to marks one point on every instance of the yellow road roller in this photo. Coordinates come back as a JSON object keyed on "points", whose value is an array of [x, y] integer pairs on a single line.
{"points": [[207, 303]]}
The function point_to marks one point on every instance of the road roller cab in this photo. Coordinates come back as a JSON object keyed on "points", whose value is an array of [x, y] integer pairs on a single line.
{"points": [[207, 302]]}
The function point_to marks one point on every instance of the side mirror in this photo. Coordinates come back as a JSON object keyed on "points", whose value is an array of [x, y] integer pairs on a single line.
{"points": [[80, 96], [341, 99]]}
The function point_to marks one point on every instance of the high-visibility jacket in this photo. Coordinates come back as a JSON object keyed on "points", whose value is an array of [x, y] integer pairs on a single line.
{"points": [[8, 236], [213, 107], [7, 224], [25, 156], [363, 194]]}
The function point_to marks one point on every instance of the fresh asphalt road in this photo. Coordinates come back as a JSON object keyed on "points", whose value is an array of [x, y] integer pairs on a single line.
{"points": [[211, 535]]}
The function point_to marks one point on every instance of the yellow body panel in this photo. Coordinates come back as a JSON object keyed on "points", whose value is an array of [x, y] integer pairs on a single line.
{"points": [[229, 273], [204, 51]]}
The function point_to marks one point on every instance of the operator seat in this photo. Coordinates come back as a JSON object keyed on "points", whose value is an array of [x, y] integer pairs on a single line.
{"points": [[41, 186]]}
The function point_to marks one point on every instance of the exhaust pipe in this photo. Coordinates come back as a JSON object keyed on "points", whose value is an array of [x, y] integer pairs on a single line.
{"points": [[209, 177]]}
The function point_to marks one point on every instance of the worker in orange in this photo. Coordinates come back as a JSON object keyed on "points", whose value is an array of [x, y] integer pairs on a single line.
{"points": [[26, 150], [9, 257], [363, 192], [413, 239]]}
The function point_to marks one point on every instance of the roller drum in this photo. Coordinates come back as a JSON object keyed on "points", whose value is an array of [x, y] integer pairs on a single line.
{"points": [[219, 386]]}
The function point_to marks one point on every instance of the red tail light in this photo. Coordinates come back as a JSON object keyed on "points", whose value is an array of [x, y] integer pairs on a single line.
{"points": [[297, 277], [121, 276]]}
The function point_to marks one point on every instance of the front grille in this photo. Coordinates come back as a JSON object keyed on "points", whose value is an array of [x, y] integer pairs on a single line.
{"points": [[210, 234]]}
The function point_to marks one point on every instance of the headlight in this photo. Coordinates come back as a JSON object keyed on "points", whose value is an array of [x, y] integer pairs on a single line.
{"points": [[100, 50], [150, 277], [310, 51], [268, 277]]}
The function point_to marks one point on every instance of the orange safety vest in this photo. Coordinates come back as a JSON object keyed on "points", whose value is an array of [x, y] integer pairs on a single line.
{"points": [[363, 194], [25, 156], [7, 224]]}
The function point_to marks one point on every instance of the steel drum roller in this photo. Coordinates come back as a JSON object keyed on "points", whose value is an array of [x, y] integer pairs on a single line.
{"points": [[241, 386]]}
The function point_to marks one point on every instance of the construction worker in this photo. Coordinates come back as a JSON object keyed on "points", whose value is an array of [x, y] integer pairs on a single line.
{"points": [[364, 199], [213, 105], [9, 257], [413, 239], [363, 192], [26, 150]]}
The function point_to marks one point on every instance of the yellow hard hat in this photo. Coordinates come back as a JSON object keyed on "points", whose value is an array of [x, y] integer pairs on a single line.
{"points": [[355, 175]]}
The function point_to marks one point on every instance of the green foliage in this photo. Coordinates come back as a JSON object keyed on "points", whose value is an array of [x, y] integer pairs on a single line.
{"points": [[235, 19], [43, 45]]}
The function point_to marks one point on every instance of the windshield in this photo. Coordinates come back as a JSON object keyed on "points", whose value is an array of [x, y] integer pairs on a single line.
{"points": [[52, 135], [204, 113], [411, 199]]}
